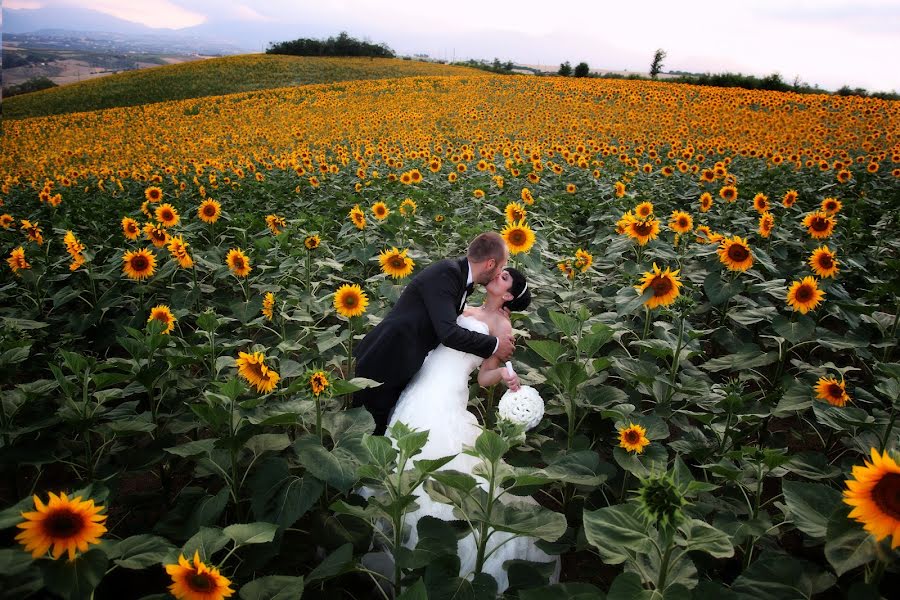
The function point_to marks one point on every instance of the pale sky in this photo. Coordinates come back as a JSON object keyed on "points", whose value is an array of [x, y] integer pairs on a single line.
{"points": [[825, 42]]}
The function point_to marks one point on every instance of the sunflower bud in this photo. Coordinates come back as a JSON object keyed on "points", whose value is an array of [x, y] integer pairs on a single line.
{"points": [[661, 500]]}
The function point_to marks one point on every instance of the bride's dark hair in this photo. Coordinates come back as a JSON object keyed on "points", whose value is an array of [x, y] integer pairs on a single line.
{"points": [[519, 290]]}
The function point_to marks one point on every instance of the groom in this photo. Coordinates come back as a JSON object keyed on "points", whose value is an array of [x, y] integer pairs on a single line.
{"points": [[425, 316]]}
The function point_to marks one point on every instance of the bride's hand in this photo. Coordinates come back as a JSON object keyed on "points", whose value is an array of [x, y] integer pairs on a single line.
{"points": [[511, 380]]}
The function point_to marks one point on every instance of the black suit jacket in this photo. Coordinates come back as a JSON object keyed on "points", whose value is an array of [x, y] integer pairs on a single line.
{"points": [[424, 316]]}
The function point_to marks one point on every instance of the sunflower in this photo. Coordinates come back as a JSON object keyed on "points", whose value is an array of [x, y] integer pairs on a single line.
{"points": [[633, 438], [312, 242], [395, 263], [681, 222], [268, 306], [823, 262], [761, 203], [583, 260], [643, 210], [66, 524], [664, 284], [252, 367], [832, 391], [33, 231], [790, 197], [178, 248], [439, 218], [238, 262], [358, 217], [197, 581], [73, 246], [138, 264], [156, 234], [318, 381], [519, 237], [167, 215], [874, 494], [130, 228], [566, 269], [6, 221], [415, 176], [706, 201], [832, 206], [804, 295], [16, 260], [766, 224], [451, 177], [380, 210], [571, 188], [153, 194], [163, 314], [275, 224], [209, 211], [515, 212], [843, 176], [642, 230], [527, 198], [820, 225], [728, 193], [350, 300], [619, 189], [735, 253], [405, 179], [408, 207]]}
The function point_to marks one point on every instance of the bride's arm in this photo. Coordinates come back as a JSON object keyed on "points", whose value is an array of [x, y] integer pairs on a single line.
{"points": [[492, 371]]}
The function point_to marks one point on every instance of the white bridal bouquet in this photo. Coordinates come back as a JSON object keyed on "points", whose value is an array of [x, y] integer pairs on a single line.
{"points": [[523, 407]]}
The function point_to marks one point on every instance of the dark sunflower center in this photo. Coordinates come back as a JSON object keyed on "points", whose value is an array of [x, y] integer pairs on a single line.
{"points": [[632, 436], [350, 301], [162, 317], [886, 495], [238, 262], [517, 237], [139, 263], [835, 391], [804, 293], [643, 228], [825, 261], [201, 582], [209, 210], [167, 215], [661, 286], [830, 206], [63, 524], [396, 262], [682, 223], [819, 224], [738, 253]]}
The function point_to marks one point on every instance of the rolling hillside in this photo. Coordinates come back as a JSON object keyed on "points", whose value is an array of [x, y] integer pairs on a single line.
{"points": [[213, 77]]}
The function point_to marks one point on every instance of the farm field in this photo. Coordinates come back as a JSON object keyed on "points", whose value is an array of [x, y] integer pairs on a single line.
{"points": [[713, 330]]}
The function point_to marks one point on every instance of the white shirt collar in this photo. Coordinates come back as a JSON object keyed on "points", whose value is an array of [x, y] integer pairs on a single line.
{"points": [[469, 280]]}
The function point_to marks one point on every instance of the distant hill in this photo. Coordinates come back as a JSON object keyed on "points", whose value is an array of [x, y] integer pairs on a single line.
{"points": [[214, 77]]}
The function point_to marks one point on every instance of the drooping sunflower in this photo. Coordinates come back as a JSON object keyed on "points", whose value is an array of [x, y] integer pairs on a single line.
{"points": [[790, 198], [633, 438], [312, 242], [527, 198], [163, 314], [153, 194], [252, 367], [583, 260], [664, 284], [874, 494], [16, 260], [138, 264], [178, 248], [358, 217], [275, 224], [318, 382], [515, 212], [706, 201], [197, 581], [395, 263], [209, 211], [643, 231], [268, 306], [156, 234], [823, 262], [567, 269], [643, 210], [66, 524], [238, 262], [408, 207], [130, 228], [819, 225], [766, 224], [832, 206], [167, 215], [735, 254], [33, 231], [619, 189], [350, 300], [380, 210], [519, 237], [728, 193], [681, 222], [804, 295], [832, 391], [75, 249]]}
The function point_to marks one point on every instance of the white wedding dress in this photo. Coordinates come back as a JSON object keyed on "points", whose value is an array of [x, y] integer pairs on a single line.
{"points": [[435, 400]]}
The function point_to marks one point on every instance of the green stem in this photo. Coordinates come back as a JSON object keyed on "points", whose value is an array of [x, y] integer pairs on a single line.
{"points": [[890, 426], [675, 360], [664, 564], [484, 528], [319, 420]]}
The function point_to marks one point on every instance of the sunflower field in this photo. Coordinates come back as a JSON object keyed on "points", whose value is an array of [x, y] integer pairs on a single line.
{"points": [[714, 328]]}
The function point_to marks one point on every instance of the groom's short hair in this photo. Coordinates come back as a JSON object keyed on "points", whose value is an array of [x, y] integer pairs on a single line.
{"points": [[487, 245]]}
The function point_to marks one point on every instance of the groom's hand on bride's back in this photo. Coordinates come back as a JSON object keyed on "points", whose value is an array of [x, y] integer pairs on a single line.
{"points": [[506, 348]]}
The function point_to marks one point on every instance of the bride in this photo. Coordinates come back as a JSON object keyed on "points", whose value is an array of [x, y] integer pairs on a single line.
{"points": [[436, 400]]}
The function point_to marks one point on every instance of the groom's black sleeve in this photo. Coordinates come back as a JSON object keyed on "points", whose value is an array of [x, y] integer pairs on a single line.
{"points": [[441, 294]]}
